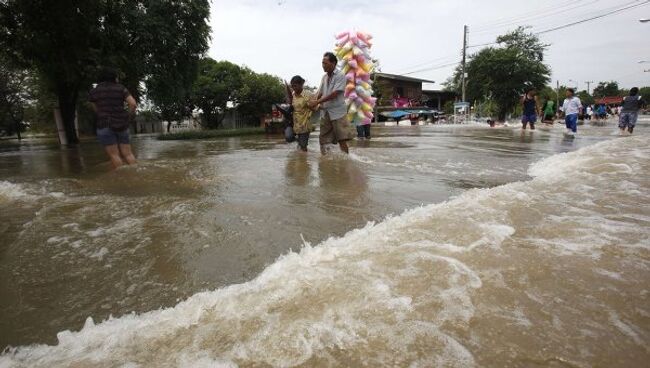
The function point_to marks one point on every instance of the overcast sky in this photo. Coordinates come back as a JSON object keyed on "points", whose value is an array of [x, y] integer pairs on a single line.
{"points": [[289, 37]]}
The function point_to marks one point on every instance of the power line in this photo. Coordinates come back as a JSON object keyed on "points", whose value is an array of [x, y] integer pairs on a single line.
{"points": [[593, 18], [553, 9], [575, 23], [626, 7], [488, 43], [440, 59], [560, 16], [497, 22], [542, 14], [432, 68]]}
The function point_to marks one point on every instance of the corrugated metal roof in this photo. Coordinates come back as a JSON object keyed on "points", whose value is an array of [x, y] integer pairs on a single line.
{"points": [[402, 78]]}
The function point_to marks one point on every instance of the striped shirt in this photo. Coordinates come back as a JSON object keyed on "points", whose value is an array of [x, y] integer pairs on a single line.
{"points": [[109, 98]]}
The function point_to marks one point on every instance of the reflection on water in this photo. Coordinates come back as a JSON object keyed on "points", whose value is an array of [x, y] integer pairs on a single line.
{"points": [[298, 169], [342, 185], [497, 275]]}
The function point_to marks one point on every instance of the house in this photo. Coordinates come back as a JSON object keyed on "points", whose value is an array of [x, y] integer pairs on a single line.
{"points": [[436, 99], [395, 91]]}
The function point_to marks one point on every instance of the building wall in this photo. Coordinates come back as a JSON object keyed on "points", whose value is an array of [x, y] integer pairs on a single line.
{"points": [[146, 127], [390, 88], [437, 99], [234, 120]]}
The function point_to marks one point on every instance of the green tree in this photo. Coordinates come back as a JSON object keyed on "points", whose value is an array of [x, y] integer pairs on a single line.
{"points": [[606, 89], [14, 97], [585, 97], [217, 84], [67, 41], [502, 73], [176, 49], [644, 92], [258, 93], [548, 93]]}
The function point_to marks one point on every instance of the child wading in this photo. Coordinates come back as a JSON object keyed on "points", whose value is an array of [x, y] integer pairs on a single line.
{"points": [[300, 101], [571, 108], [531, 109], [549, 111]]}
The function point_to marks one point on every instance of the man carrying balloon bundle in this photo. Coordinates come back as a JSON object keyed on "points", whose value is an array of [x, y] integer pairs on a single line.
{"points": [[353, 49], [335, 127]]}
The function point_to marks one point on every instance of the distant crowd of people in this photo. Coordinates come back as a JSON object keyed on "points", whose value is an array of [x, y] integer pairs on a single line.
{"points": [[572, 109]]}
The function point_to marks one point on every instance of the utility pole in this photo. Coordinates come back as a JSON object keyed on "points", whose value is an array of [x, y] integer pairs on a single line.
{"points": [[588, 84], [462, 78]]}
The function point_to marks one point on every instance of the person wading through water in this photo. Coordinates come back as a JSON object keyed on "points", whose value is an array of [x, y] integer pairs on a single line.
{"points": [[334, 127], [530, 109], [108, 100]]}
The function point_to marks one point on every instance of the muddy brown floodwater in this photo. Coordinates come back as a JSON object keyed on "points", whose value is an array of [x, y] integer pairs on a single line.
{"points": [[429, 246]]}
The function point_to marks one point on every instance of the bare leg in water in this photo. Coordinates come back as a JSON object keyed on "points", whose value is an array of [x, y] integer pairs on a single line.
{"points": [[125, 150], [114, 154], [344, 147]]}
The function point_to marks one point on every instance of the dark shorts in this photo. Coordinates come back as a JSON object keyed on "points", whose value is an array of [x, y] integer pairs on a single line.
{"points": [[363, 131], [532, 118], [108, 137], [627, 120], [301, 138], [335, 131], [571, 122]]}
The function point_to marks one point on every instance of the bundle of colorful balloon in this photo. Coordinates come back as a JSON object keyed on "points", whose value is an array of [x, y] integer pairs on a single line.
{"points": [[352, 51]]}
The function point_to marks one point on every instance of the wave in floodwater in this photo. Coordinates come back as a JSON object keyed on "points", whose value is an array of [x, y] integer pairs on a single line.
{"points": [[473, 281]]}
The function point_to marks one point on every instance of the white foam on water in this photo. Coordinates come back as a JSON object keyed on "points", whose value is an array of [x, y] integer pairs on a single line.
{"points": [[10, 191], [384, 294]]}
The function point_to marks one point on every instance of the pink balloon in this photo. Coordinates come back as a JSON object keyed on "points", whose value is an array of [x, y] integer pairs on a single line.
{"points": [[350, 76]]}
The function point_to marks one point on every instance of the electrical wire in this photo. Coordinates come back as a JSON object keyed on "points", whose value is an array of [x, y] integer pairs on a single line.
{"points": [[497, 22], [553, 8], [433, 68], [625, 7], [568, 17], [436, 60], [592, 18], [629, 6]]}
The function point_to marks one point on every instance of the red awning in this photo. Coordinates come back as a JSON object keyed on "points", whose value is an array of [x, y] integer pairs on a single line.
{"points": [[610, 100]]}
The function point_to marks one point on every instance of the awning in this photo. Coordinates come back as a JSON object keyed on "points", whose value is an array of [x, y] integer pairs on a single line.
{"points": [[610, 100], [396, 114]]}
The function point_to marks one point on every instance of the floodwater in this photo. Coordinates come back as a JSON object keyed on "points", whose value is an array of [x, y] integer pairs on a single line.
{"points": [[447, 246]]}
